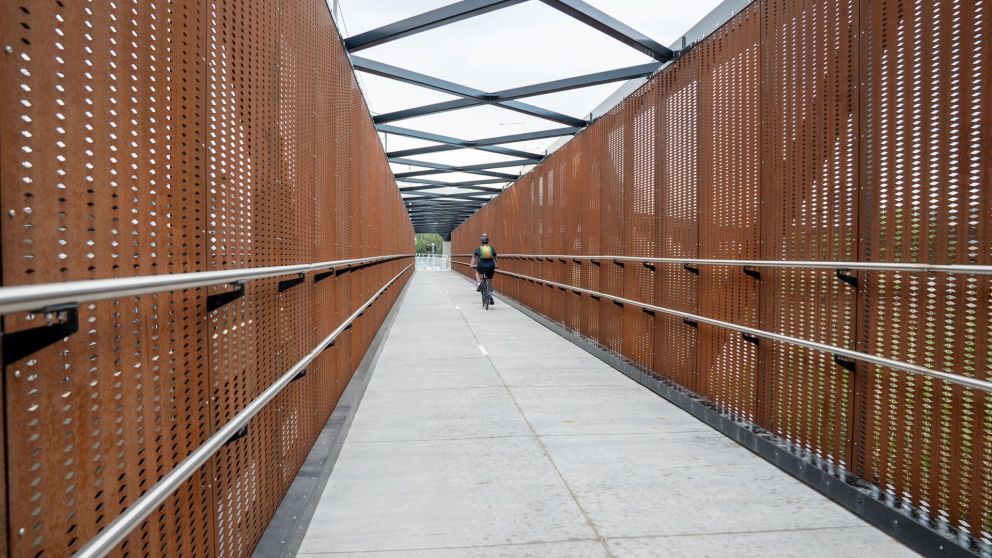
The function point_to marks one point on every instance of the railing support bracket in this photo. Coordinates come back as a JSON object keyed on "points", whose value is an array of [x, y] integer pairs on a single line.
{"points": [[241, 433], [846, 276], [62, 320], [218, 300], [290, 283], [845, 363], [318, 277]]}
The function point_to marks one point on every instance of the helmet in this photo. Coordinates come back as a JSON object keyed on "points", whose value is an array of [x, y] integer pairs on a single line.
{"points": [[485, 238]]}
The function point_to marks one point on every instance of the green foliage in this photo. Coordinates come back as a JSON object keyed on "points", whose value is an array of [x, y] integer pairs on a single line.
{"points": [[425, 240]]}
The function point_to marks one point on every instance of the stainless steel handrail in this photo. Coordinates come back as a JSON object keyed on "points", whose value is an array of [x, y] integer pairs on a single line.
{"points": [[800, 264], [122, 525], [830, 349], [28, 298]]}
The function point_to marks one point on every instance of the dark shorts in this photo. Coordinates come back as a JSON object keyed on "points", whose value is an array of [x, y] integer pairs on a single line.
{"points": [[486, 268]]}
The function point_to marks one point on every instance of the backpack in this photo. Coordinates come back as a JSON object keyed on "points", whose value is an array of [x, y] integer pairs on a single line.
{"points": [[485, 252]]}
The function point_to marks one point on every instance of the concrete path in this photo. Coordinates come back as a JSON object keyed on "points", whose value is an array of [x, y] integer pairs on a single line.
{"points": [[485, 434]]}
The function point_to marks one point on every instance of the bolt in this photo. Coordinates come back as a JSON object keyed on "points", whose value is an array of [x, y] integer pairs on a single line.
{"points": [[17, 373], [8, 49], [12, 213], [21, 532]]}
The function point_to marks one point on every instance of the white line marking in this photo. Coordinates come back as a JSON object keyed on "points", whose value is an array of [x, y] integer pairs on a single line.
{"points": [[483, 351]]}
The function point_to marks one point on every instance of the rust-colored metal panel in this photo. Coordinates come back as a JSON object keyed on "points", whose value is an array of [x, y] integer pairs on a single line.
{"points": [[729, 170], [809, 212], [801, 130], [99, 181], [613, 221], [151, 137], [572, 233], [640, 239], [677, 218], [245, 199], [926, 198], [591, 226]]}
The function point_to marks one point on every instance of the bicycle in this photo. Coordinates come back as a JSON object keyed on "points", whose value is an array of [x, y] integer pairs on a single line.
{"points": [[487, 292]]}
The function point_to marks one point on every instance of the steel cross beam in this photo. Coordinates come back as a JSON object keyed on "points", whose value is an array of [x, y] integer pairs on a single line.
{"points": [[425, 21], [480, 166], [452, 221], [453, 213], [555, 86], [444, 86], [605, 24], [434, 219], [480, 189], [501, 175], [438, 217], [428, 211], [443, 228], [451, 143], [428, 182], [458, 218], [444, 215], [454, 210], [436, 205], [486, 144], [438, 168], [472, 196]]}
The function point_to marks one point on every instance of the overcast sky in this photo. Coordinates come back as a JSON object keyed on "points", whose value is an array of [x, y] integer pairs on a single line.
{"points": [[520, 45]]}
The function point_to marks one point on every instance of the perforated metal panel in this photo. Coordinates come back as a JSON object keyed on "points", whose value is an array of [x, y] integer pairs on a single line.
{"points": [[810, 190], [729, 168], [145, 137], [676, 190], [640, 239], [848, 130], [927, 199]]}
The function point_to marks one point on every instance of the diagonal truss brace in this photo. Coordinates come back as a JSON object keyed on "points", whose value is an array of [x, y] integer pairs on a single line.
{"points": [[475, 95], [556, 86], [438, 168], [472, 196], [486, 144], [450, 144], [425, 21], [476, 185], [430, 208], [606, 24]]}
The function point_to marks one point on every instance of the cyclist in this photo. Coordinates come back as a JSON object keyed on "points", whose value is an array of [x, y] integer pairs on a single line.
{"points": [[484, 261]]}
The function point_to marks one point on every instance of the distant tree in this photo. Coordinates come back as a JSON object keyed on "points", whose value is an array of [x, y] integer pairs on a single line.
{"points": [[424, 241]]}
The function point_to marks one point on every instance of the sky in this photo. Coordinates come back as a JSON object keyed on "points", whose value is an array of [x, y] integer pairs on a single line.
{"points": [[521, 45]]}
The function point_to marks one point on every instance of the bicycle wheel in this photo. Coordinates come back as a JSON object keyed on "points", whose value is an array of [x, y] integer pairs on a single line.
{"points": [[485, 294]]}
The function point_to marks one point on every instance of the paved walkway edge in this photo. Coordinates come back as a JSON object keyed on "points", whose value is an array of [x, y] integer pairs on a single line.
{"points": [[285, 532], [851, 493]]}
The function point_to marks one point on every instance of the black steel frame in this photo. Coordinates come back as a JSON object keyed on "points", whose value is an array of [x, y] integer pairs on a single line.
{"points": [[435, 209]]}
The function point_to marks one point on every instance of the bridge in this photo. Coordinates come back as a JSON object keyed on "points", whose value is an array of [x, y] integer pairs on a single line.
{"points": [[743, 307]]}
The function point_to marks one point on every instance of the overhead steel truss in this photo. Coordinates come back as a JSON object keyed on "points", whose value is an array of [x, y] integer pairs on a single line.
{"points": [[499, 98], [435, 203]]}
